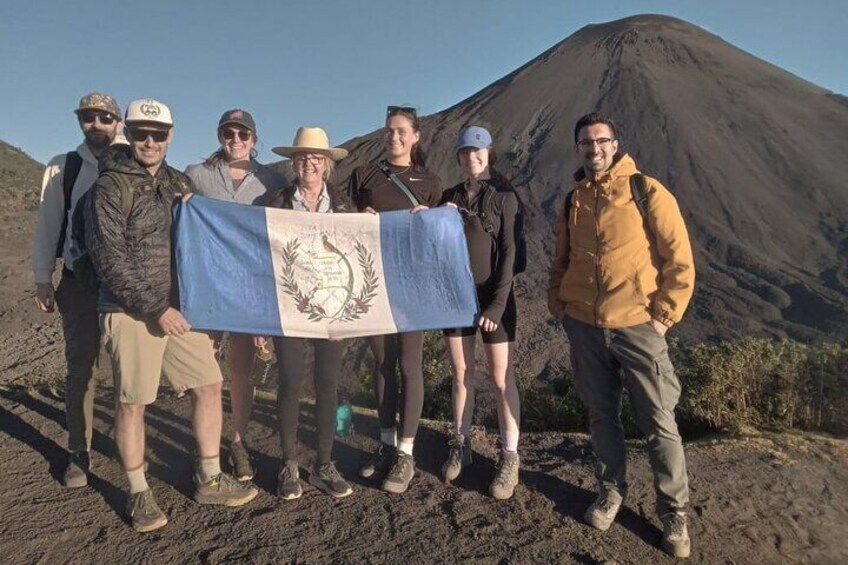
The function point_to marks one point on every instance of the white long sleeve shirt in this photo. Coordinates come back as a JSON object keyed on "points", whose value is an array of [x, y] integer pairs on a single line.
{"points": [[50, 210]]}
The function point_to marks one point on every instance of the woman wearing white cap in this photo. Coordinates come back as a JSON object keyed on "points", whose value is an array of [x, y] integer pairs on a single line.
{"points": [[400, 181], [489, 207], [312, 161], [232, 173]]}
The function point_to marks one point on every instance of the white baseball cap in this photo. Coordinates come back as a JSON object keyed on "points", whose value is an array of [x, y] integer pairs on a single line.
{"points": [[149, 111]]}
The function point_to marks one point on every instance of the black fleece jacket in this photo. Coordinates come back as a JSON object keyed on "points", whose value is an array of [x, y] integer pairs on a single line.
{"points": [[132, 253]]}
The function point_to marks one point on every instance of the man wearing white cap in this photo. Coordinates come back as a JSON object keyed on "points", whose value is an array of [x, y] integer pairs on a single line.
{"points": [[67, 177], [128, 224]]}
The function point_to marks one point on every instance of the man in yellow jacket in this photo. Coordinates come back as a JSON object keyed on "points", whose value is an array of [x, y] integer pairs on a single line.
{"points": [[622, 275]]}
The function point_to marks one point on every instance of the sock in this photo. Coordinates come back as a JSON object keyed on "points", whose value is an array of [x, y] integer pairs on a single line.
{"points": [[208, 467], [137, 480], [389, 437], [510, 441], [405, 447]]}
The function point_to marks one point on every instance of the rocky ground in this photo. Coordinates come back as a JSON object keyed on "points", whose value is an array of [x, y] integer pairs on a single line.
{"points": [[765, 499]]}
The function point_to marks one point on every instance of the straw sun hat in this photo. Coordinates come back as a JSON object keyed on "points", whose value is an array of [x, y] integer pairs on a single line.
{"points": [[311, 140]]}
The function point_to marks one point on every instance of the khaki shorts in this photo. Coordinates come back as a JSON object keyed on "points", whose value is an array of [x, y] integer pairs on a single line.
{"points": [[139, 357]]}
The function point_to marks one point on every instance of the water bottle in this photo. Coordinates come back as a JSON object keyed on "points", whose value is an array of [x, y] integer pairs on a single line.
{"points": [[344, 419], [262, 362]]}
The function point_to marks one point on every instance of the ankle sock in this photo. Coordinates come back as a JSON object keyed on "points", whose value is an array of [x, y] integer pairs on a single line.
{"points": [[208, 467], [405, 447], [137, 480], [509, 439], [389, 437]]}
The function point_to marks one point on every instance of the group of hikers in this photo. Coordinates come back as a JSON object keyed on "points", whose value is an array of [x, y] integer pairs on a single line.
{"points": [[622, 274]]}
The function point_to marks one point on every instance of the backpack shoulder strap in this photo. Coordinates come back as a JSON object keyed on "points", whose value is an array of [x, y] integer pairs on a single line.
{"points": [[125, 189], [639, 191], [569, 204], [73, 164], [384, 166]]}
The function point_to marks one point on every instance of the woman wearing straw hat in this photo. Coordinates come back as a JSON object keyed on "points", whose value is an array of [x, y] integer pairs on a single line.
{"points": [[489, 207], [374, 188], [232, 173], [312, 161]]}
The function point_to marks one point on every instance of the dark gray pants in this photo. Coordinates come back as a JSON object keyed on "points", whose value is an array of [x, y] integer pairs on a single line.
{"points": [[81, 329], [605, 361]]}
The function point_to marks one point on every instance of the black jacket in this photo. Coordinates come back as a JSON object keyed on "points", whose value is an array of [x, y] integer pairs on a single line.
{"points": [[132, 253], [490, 232], [339, 201]]}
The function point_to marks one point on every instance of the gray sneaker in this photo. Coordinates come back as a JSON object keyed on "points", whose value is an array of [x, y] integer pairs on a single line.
{"points": [[603, 511], [402, 471], [241, 462], [675, 536], [76, 473], [224, 490], [458, 458], [506, 480], [288, 481], [327, 478], [144, 512], [380, 462]]}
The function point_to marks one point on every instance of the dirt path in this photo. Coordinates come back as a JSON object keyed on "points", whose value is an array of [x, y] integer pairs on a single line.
{"points": [[783, 499]]}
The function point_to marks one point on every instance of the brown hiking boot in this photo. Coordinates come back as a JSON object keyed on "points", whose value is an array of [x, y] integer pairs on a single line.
{"points": [[224, 490], [76, 473], [675, 536], [506, 480], [603, 511], [240, 460], [458, 458], [144, 512], [402, 471]]}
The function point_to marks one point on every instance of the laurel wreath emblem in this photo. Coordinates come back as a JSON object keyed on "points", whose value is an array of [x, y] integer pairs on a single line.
{"points": [[355, 307]]}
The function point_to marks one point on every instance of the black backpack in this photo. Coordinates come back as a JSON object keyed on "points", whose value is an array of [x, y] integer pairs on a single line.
{"points": [[520, 264], [639, 191], [73, 164], [84, 272]]}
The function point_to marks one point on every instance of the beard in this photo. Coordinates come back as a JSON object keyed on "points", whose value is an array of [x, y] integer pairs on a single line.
{"points": [[97, 139]]}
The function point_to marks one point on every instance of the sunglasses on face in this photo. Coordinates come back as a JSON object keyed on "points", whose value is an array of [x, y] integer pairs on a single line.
{"points": [[141, 135], [231, 133], [89, 117]]}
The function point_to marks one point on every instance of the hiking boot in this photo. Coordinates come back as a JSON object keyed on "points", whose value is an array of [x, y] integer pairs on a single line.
{"points": [[144, 512], [241, 462], [327, 478], [603, 511], [288, 481], [675, 536], [506, 480], [380, 462], [402, 471], [224, 490], [76, 473], [458, 458]]}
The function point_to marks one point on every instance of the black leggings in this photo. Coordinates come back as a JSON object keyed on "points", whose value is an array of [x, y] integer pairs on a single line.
{"points": [[291, 356], [408, 348]]}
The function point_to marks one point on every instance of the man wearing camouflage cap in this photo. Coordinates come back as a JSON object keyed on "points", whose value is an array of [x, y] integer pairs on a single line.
{"points": [[67, 177]]}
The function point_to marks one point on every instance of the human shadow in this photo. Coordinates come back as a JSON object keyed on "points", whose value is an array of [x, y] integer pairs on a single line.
{"points": [[56, 456]]}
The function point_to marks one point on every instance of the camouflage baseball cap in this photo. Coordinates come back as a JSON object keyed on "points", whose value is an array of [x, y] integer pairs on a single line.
{"points": [[99, 101]]}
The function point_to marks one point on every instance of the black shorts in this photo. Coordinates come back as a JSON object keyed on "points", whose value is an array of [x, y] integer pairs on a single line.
{"points": [[505, 333]]}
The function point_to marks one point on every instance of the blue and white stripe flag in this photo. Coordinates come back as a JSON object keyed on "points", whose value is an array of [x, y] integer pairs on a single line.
{"points": [[266, 271]]}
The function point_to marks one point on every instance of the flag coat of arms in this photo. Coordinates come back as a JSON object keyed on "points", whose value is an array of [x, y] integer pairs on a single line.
{"points": [[267, 271]]}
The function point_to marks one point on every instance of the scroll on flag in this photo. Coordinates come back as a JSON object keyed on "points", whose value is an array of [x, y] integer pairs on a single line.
{"points": [[266, 271]]}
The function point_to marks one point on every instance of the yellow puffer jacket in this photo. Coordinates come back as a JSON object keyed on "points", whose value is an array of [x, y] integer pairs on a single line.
{"points": [[608, 271]]}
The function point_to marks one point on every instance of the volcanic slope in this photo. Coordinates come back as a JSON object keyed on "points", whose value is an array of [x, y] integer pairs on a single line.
{"points": [[752, 153]]}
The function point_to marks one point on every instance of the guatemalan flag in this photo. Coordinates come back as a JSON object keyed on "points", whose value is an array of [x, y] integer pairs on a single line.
{"points": [[266, 271]]}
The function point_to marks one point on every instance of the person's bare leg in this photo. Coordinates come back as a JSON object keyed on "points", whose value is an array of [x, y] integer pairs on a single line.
{"points": [[207, 419], [461, 351]]}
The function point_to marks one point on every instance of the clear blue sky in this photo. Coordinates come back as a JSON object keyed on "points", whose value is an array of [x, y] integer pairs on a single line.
{"points": [[336, 64]]}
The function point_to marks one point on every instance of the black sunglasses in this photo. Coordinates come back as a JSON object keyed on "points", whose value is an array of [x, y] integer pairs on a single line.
{"points": [[141, 135], [391, 110], [89, 117], [231, 133]]}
